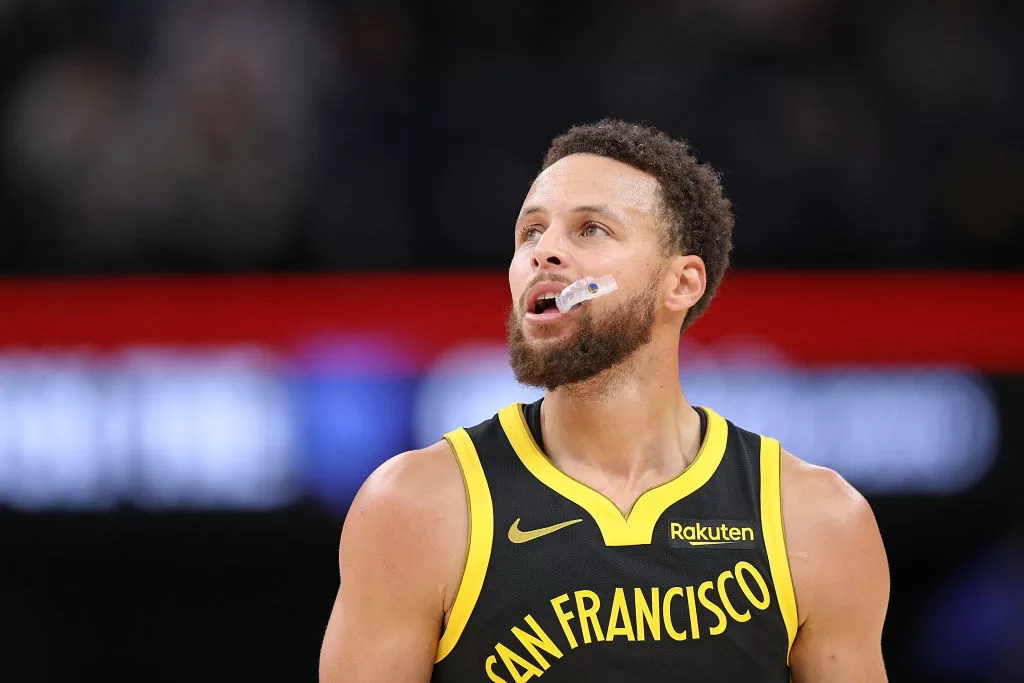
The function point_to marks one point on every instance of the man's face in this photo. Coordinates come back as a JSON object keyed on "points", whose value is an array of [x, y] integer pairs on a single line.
{"points": [[585, 215]]}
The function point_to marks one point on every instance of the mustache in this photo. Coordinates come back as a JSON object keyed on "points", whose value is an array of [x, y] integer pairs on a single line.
{"points": [[537, 280]]}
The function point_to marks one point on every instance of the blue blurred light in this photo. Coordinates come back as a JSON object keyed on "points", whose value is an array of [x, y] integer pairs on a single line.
{"points": [[153, 428], [974, 623], [237, 428], [353, 402], [348, 426]]}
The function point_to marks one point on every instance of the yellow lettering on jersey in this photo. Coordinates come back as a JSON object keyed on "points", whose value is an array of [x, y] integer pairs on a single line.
{"points": [[676, 531], [648, 613], [762, 602], [563, 619], [588, 615], [538, 640], [745, 616], [692, 604], [702, 595], [666, 613], [489, 666], [511, 659], [620, 613]]}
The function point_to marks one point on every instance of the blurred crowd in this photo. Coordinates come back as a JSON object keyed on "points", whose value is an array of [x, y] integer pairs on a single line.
{"points": [[209, 135]]}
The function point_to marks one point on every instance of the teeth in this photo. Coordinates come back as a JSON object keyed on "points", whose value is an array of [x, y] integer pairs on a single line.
{"points": [[544, 301]]}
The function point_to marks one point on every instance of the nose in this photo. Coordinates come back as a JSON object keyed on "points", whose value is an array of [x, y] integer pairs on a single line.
{"points": [[550, 250]]}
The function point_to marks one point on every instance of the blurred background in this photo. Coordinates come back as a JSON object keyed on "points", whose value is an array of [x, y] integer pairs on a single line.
{"points": [[250, 249]]}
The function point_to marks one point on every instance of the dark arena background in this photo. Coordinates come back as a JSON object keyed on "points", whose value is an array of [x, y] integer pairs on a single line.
{"points": [[251, 249]]}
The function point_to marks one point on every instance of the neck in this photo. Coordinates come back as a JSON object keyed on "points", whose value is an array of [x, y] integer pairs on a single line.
{"points": [[631, 426]]}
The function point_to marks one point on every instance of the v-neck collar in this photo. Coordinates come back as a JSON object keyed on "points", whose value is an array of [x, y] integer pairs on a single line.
{"points": [[637, 527]]}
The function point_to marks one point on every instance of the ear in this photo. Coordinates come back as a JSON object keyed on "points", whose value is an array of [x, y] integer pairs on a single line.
{"points": [[686, 279]]}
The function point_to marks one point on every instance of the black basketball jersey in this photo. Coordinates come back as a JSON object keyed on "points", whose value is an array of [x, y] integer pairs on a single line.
{"points": [[693, 585]]}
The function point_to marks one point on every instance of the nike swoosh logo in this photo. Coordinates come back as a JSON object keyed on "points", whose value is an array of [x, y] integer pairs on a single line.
{"points": [[516, 535]]}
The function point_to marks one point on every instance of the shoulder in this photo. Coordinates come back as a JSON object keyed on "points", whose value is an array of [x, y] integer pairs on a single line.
{"points": [[410, 519], [832, 538], [411, 482], [834, 501]]}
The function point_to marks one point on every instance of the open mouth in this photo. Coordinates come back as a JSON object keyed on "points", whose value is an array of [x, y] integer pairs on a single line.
{"points": [[544, 302]]}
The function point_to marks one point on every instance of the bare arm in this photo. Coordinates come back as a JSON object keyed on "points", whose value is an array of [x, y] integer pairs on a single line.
{"points": [[840, 574], [402, 550]]}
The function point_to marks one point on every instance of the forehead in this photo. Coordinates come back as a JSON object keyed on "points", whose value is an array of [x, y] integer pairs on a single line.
{"points": [[588, 179]]}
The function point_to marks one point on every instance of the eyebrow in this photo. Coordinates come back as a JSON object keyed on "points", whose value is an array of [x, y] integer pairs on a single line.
{"points": [[585, 208]]}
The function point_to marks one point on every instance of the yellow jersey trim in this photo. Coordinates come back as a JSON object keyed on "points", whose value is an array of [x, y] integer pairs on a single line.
{"points": [[481, 536], [636, 527], [775, 535]]}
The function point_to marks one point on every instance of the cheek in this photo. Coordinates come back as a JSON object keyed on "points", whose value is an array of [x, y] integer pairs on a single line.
{"points": [[518, 273]]}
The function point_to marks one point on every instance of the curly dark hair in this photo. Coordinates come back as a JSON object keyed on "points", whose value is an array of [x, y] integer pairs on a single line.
{"points": [[698, 215]]}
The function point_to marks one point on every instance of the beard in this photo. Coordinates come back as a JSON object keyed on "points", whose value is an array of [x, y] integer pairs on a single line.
{"points": [[596, 346]]}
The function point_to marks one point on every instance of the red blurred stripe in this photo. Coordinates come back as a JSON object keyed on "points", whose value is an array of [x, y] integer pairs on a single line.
{"points": [[814, 318]]}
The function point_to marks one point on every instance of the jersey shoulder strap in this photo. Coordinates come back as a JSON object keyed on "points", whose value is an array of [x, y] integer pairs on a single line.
{"points": [[774, 534], [481, 537]]}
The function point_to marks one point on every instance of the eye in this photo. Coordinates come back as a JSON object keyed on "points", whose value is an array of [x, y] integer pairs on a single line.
{"points": [[593, 230], [529, 233]]}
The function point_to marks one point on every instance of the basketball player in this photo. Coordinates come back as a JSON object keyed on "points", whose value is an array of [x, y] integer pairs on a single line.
{"points": [[610, 531]]}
